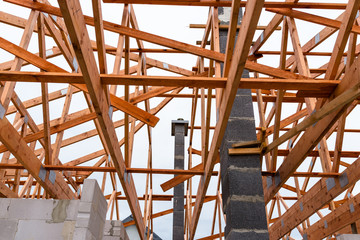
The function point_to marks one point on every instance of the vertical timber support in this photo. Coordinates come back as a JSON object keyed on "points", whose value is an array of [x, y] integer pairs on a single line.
{"points": [[242, 190], [179, 130]]}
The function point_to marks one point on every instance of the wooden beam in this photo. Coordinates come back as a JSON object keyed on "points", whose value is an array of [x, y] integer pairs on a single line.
{"points": [[75, 24], [230, 44], [344, 215], [110, 169], [56, 35], [227, 3], [99, 31], [44, 93], [179, 179], [224, 26], [324, 86], [346, 26], [6, 192], [319, 195], [313, 18]]}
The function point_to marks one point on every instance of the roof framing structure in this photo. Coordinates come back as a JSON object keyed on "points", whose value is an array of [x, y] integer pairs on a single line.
{"points": [[310, 166]]}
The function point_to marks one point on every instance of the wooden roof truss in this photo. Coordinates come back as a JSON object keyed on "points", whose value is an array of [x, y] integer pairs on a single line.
{"points": [[309, 179]]}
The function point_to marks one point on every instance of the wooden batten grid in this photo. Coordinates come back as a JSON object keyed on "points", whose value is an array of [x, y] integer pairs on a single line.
{"points": [[302, 136]]}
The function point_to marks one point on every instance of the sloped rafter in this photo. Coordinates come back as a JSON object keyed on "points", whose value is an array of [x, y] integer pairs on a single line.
{"points": [[76, 26]]}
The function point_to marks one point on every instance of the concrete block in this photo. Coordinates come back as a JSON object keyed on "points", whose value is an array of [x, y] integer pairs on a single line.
{"points": [[83, 234], [178, 204], [8, 229], [223, 151], [107, 228], [102, 209], [178, 218], [348, 237], [83, 220], [88, 190], [92, 194], [85, 207], [96, 225], [242, 106], [115, 229], [123, 234], [240, 129], [248, 235], [92, 221], [39, 230], [72, 210], [34, 209], [223, 38], [110, 238], [244, 92], [112, 223], [91, 191], [179, 126], [116, 237], [68, 230], [248, 161], [178, 233], [60, 211], [4, 207], [116, 232], [227, 230], [244, 181], [244, 161], [239, 215], [179, 149], [179, 139], [92, 210], [179, 191]]}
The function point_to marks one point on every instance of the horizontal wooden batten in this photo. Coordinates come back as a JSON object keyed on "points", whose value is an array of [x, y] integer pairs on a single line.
{"points": [[226, 3], [312, 18], [325, 86], [221, 26], [156, 197], [305, 174], [109, 169]]}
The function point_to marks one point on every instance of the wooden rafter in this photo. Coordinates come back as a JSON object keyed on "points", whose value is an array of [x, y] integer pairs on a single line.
{"points": [[80, 39]]}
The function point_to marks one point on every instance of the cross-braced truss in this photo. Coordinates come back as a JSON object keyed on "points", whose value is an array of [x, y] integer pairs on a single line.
{"points": [[304, 76]]}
